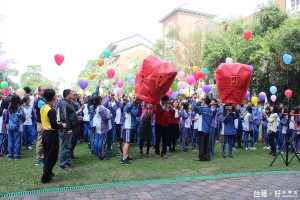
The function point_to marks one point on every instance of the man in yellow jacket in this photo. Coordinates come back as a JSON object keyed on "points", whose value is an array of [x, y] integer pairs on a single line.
{"points": [[50, 136]]}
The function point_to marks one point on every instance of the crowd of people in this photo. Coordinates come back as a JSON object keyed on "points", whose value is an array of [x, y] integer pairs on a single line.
{"points": [[57, 124]]}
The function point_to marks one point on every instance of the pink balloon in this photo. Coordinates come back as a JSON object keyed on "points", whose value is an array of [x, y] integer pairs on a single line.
{"points": [[273, 98], [59, 59], [3, 64], [120, 83], [6, 91], [180, 85], [170, 92], [191, 80], [119, 91], [130, 94], [111, 73], [181, 74]]}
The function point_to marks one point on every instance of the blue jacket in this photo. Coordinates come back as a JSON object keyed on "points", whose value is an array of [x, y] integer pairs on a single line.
{"points": [[205, 115], [130, 115], [256, 113], [13, 119], [229, 126]]}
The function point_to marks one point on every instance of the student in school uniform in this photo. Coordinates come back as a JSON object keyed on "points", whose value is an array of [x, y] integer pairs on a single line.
{"points": [[265, 127], [173, 125], [248, 128], [3, 128], [161, 127], [283, 128], [214, 135], [119, 120], [27, 126], [14, 117], [195, 120], [256, 122], [272, 128], [131, 110], [239, 127], [153, 141], [228, 117], [86, 121], [205, 119], [145, 132], [184, 113]]}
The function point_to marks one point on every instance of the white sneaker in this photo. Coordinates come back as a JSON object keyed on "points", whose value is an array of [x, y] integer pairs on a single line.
{"points": [[253, 148], [265, 147], [247, 149], [234, 149], [268, 147], [250, 148], [282, 152], [29, 148]]}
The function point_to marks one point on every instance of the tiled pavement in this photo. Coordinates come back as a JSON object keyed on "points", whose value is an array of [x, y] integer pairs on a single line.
{"points": [[266, 186]]}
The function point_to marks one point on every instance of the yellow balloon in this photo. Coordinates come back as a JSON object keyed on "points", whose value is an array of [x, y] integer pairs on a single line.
{"points": [[187, 94], [133, 93], [195, 68], [100, 62], [254, 100]]}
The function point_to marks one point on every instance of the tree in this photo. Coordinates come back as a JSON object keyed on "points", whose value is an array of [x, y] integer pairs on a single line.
{"points": [[34, 79]]}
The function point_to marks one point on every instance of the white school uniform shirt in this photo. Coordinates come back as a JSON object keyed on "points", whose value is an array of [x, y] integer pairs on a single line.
{"points": [[27, 111], [200, 120], [86, 116], [291, 125], [1, 122], [118, 116], [188, 121], [196, 123]]}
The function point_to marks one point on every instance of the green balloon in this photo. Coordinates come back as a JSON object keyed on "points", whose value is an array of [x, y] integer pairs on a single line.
{"points": [[174, 86], [107, 53], [20, 85], [206, 71], [4, 85]]}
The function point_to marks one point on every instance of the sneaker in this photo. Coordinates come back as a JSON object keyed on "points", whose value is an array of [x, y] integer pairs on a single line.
{"points": [[265, 147], [130, 159], [268, 147], [29, 148], [217, 141], [18, 157], [240, 146], [194, 149], [126, 161], [147, 155], [103, 158], [156, 155], [253, 148], [119, 154], [109, 151], [250, 148], [164, 156], [10, 157], [73, 157], [246, 149], [37, 163], [223, 156], [141, 155], [230, 156], [282, 152], [234, 149]]}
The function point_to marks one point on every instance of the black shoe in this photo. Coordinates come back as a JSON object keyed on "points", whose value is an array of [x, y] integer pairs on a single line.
{"points": [[240, 146], [126, 161], [207, 158], [103, 158], [130, 159], [73, 157], [53, 174], [18, 157], [230, 156], [223, 156]]}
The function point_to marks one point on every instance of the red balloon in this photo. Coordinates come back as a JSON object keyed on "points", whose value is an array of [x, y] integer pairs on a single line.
{"points": [[197, 75], [110, 73], [59, 59], [247, 34], [288, 93], [203, 75]]}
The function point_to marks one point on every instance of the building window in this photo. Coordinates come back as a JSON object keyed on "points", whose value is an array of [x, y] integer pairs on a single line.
{"points": [[295, 5]]}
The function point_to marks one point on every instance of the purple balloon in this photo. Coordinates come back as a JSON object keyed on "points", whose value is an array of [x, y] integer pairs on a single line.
{"points": [[83, 84], [180, 92], [247, 95], [174, 95], [262, 96], [207, 88], [132, 81], [251, 68]]}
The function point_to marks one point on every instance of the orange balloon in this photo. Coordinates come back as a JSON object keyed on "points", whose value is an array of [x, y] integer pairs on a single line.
{"points": [[100, 62], [92, 76]]}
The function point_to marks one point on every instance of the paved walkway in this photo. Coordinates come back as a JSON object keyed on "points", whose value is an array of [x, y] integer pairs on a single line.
{"points": [[267, 186]]}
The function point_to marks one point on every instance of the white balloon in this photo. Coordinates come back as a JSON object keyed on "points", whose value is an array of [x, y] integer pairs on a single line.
{"points": [[184, 91], [106, 82], [199, 91], [101, 90], [228, 60]]}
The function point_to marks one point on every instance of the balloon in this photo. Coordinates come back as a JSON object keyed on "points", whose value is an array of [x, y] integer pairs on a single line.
{"points": [[120, 83], [247, 34], [273, 98], [92, 76], [247, 95], [59, 59], [288, 93], [251, 68], [228, 60], [106, 82], [100, 62], [132, 82], [119, 91], [130, 95], [36, 91], [181, 74], [254, 100], [129, 78], [191, 80], [188, 94], [81, 94], [199, 91], [4, 84], [170, 92], [262, 96], [206, 71], [207, 88], [83, 83], [180, 85], [180, 92], [174, 95], [197, 75], [195, 68], [184, 91], [174, 86], [20, 93], [273, 89], [3, 64], [111, 73], [287, 59], [6, 91], [202, 75], [107, 53], [20, 85], [95, 80]]}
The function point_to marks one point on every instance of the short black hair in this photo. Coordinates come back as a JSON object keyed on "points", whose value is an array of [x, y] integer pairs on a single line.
{"points": [[249, 109], [165, 98], [26, 98], [27, 89], [207, 101], [66, 92], [40, 88], [49, 94]]}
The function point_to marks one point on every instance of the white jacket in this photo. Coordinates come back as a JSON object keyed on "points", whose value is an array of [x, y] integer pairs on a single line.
{"points": [[272, 122]]}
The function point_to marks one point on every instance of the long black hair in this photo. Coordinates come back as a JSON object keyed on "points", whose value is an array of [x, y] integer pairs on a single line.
{"points": [[4, 105], [14, 103], [96, 101], [124, 104]]}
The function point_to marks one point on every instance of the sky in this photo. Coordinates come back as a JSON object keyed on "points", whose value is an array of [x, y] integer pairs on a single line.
{"points": [[35, 30]]}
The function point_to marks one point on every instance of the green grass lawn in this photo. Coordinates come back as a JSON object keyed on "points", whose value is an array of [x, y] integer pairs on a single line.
{"points": [[22, 175]]}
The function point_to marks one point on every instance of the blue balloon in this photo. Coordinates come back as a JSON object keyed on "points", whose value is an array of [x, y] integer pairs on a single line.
{"points": [[129, 77], [287, 59], [273, 89], [95, 80]]}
